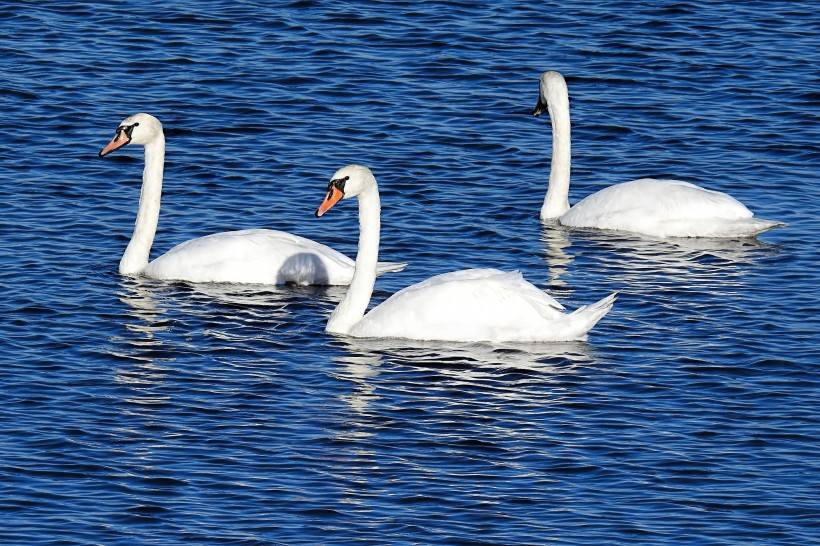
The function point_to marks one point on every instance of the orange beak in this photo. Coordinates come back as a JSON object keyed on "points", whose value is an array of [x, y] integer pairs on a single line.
{"points": [[332, 197], [120, 139]]}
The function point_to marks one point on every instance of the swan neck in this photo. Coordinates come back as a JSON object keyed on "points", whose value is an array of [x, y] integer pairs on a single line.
{"points": [[556, 201], [354, 305], [135, 258]]}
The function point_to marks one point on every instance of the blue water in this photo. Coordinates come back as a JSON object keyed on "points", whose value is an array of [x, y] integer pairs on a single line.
{"points": [[143, 412]]}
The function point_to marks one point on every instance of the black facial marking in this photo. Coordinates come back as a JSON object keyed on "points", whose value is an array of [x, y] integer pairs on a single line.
{"points": [[338, 183], [539, 108], [127, 129]]}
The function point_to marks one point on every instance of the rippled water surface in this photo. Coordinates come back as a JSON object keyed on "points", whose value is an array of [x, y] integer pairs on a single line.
{"points": [[144, 412]]}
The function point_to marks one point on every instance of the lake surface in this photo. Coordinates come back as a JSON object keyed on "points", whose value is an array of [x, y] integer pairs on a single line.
{"points": [[145, 412]]}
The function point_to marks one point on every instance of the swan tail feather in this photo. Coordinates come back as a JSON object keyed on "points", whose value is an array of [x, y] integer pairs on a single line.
{"points": [[766, 225], [390, 267], [587, 317], [744, 227]]}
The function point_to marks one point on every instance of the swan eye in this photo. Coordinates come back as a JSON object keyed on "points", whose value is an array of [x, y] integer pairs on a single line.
{"points": [[128, 129], [338, 183]]}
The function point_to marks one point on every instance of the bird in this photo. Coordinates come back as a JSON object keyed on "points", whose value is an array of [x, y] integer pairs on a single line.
{"points": [[261, 256], [660, 208], [474, 305]]}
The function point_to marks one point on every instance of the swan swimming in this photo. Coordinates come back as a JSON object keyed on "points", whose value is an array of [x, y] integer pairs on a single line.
{"points": [[260, 256], [468, 305], [661, 208]]}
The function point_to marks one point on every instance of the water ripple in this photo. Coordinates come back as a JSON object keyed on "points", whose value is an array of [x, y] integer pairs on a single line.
{"points": [[145, 412]]}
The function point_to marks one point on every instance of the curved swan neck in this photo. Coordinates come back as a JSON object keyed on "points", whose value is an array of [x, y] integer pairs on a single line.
{"points": [[354, 305], [135, 258], [556, 202]]}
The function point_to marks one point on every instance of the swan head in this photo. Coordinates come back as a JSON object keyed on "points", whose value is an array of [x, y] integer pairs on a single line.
{"points": [[552, 87], [137, 129], [347, 182]]}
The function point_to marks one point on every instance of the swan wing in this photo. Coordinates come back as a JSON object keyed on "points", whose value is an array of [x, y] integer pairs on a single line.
{"points": [[483, 282], [253, 256], [467, 305], [665, 208]]}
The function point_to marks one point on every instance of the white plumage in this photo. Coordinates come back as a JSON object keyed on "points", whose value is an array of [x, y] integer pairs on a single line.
{"points": [[661, 208], [262, 256], [467, 305], [249, 256]]}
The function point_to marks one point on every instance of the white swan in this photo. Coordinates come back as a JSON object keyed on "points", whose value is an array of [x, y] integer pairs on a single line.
{"points": [[662, 208], [467, 305], [249, 256]]}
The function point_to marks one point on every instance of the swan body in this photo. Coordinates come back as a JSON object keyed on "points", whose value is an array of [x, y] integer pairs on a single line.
{"points": [[477, 305], [661, 208], [260, 256], [467, 305]]}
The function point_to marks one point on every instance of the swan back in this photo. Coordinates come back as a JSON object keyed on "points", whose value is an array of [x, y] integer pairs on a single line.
{"points": [[469, 305], [663, 208], [260, 256]]}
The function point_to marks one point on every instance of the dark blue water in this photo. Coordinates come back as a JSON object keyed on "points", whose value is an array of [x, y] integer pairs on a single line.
{"points": [[147, 412]]}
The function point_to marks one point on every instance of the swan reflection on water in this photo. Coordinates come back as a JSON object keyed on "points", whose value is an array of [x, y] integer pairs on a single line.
{"points": [[144, 314], [363, 360], [664, 284], [232, 315], [632, 259]]}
